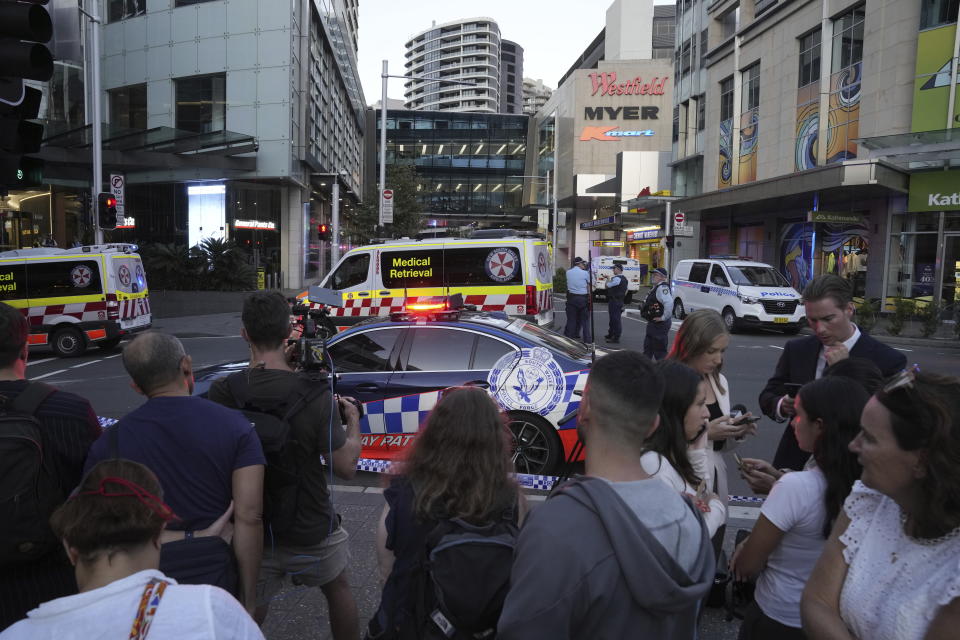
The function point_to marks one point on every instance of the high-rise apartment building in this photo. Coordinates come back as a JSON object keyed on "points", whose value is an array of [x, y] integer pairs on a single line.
{"points": [[469, 52], [535, 95], [511, 77]]}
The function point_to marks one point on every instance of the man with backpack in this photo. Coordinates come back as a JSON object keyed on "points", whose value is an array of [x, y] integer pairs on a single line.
{"points": [[298, 421], [617, 553], [44, 437], [204, 455]]}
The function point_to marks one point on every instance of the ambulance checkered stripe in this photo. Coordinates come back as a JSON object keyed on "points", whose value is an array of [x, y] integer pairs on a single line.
{"points": [[82, 311], [134, 308], [361, 307]]}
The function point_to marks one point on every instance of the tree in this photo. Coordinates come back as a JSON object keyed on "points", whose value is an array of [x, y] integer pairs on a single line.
{"points": [[407, 217]]}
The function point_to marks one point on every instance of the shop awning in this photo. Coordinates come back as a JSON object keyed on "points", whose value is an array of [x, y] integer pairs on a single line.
{"points": [[917, 151]]}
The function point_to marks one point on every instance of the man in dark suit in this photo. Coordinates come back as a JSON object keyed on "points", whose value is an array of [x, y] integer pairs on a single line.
{"points": [[828, 303]]}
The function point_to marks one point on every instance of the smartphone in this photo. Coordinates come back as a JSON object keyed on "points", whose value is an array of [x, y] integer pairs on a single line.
{"points": [[792, 388], [736, 456]]}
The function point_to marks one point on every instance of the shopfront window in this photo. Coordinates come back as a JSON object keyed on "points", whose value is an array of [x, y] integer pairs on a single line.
{"points": [[925, 265], [750, 242]]}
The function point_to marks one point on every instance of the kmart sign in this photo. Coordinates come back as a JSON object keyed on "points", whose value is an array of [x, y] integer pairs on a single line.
{"points": [[934, 191]]}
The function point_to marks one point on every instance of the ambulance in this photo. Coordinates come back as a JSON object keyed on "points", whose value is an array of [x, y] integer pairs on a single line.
{"points": [[511, 274], [601, 272], [75, 297]]}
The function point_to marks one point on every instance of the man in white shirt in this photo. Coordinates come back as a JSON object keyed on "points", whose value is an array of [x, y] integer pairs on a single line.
{"points": [[828, 305], [577, 309]]}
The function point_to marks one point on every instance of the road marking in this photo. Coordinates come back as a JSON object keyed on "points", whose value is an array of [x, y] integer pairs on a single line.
{"points": [[116, 355], [83, 364], [773, 346], [47, 375], [40, 361], [907, 350]]}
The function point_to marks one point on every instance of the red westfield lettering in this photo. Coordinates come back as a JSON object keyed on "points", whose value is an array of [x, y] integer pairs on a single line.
{"points": [[606, 84]]}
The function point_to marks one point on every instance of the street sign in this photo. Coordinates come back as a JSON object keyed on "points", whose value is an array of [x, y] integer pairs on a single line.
{"points": [[543, 218], [679, 217], [683, 230], [386, 206], [117, 188]]}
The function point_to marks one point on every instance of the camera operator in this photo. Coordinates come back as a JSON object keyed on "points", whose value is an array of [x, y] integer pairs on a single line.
{"points": [[303, 536]]}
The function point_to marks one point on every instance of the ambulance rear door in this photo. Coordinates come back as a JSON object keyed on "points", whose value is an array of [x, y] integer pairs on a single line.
{"points": [[128, 282]]}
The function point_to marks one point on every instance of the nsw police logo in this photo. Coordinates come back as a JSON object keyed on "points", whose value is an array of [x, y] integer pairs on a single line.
{"points": [[501, 264], [532, 381]]}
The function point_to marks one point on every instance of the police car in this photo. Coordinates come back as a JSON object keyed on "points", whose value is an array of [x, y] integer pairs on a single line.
{"points": [[398, 366]]}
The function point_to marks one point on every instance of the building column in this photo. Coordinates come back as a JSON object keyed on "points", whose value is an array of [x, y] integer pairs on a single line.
{"points": [[292, 238]]}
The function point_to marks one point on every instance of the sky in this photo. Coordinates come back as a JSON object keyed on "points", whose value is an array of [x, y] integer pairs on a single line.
{"points": [[552, 33]]}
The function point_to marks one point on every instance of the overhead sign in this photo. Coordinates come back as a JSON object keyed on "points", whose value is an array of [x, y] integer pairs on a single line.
{"points": [[627, 113], [934, 191], [835, 217], [605, 83], [259, 225], [609, 243], [647, 234], [386, 206], [611, 133], [599, 222], [679, 217], [117, 188]]}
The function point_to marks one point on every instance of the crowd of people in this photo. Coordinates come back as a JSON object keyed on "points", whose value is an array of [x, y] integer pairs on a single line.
{"points": [[185, 517]]}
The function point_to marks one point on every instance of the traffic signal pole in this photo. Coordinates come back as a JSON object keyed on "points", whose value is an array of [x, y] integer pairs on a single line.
{"points": [[95, 114]]}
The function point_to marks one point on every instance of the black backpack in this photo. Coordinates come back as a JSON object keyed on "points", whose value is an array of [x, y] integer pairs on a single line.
{"points": [[281, 485], [651, 307], [464, 578], [29, 489]]}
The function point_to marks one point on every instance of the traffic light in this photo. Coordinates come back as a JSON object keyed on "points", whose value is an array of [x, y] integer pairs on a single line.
{"points": [[24, 26], [323, 232], [107, 211], [670, 241]]}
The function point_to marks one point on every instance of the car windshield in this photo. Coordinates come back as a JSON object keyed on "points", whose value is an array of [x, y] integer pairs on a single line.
{"points": [[757, 276], [533, 333]]}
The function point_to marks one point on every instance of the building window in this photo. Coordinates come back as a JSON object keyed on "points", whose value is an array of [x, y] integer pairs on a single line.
{"points": [[729, 23], [934, 13], [685, 57], [183, 3], [809, 58], [703, 47], [201, 103], [751, 87], [749, 123], [845, 77], [128, 107], [701, 112], [726, 99], [676, 123], [123, 9]]}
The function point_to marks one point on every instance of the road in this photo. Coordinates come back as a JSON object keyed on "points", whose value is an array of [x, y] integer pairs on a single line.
{"points": [[301, 613]]}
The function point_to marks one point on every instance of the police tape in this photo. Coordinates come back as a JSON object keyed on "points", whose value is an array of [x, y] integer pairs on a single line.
{"points": [[525, 480]]}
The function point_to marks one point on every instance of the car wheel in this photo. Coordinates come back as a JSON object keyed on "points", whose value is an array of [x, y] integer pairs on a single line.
{"points": [[535, 446], [678, 309], [106, 345], [729, 319], [68, 342]]}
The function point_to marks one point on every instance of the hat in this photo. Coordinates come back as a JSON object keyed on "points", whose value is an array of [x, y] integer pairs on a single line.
{"points": [[661, 271], [618, 266], [577, 260]]}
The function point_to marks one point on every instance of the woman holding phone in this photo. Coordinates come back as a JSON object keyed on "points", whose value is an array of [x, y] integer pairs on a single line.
{"points": [[796, 519]]}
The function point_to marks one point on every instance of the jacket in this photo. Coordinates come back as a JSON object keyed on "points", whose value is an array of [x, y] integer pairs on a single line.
{"points": [[586, 567], [716, 462]]}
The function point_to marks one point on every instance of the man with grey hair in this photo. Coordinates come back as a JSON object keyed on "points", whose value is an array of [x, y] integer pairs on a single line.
{"points": [[617, 553], [205, 456]]}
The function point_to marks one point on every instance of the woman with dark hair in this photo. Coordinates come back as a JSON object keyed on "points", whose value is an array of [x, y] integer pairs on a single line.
{"points": [[891, 568], [458, 467], [111, 529], [796, 519], [676, 450]]}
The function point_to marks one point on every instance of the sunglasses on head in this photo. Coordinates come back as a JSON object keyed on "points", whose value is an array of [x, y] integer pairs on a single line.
{"points": [[902, 380], [133, 490]]}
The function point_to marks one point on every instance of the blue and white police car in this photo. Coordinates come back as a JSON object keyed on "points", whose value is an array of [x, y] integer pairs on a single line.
{"points": [[398, 366]]}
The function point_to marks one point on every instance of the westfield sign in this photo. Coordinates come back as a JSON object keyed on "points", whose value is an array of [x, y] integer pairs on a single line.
{"points": [[605, 83]]}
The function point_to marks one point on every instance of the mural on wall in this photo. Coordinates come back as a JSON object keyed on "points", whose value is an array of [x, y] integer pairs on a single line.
{"points": [[808, 121], [749, 133], [725, 166], [796, 249], [843, 122], [931, 89]]}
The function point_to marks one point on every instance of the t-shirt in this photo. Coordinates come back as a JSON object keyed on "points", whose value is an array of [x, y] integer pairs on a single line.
{"points": [[578, 281], [315, 431], [670, 520], [185, 612], [193, 446], [796, 507]]}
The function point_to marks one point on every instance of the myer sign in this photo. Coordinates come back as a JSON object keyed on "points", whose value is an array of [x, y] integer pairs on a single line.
{"points": [[934, 191]]}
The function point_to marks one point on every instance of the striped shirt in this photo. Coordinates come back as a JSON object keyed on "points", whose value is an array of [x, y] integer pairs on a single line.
{"points": [[68, 428]]}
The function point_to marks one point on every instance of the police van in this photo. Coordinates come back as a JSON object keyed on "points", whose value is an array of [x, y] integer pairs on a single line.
{"points": [[601, 272], [744, 292], [74, 297], [511, 274]]}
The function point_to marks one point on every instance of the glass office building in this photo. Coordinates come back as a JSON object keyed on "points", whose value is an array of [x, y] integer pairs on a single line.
{"points": [[469, 165]]}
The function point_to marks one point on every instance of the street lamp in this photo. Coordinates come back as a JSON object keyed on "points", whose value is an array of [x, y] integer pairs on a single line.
{"points": [[553, 196], [384, 75]]}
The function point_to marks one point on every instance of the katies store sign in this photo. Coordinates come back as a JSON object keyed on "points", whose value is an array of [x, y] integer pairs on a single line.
{"points": [[934, 191]]}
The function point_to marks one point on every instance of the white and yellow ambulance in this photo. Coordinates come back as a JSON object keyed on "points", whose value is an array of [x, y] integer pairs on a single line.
{"points": [[512, 274], [74, 297]]}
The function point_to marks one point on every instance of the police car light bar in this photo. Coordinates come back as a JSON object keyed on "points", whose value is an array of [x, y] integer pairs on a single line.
{"points": [[426, 306]]}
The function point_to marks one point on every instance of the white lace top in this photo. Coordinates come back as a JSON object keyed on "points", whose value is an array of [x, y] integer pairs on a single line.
{"points": [[895, 585]]}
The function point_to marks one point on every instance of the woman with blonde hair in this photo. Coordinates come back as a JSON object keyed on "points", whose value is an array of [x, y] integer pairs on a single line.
{"points": [[700, 344]]}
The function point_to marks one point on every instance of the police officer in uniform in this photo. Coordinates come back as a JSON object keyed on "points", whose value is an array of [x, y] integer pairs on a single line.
{"points": [[616, 291], [658, 315], [578, 288]]}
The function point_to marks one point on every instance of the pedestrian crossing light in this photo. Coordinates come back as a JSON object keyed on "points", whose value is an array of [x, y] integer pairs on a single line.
{"points": [[107, 211], [323, 232]]}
